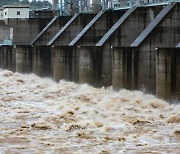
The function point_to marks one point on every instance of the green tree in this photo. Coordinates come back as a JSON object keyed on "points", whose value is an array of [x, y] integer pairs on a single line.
{"points": [[33, 5], [9, 2]]}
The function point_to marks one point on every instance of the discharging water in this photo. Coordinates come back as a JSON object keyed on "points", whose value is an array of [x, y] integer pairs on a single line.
{"points": [[40, 116]]}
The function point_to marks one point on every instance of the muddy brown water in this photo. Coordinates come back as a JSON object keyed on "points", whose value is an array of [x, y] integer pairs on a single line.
{"points": [[41, 116]]}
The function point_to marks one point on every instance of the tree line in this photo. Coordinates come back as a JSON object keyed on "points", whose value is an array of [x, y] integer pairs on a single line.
{"points": [[34, 4]]}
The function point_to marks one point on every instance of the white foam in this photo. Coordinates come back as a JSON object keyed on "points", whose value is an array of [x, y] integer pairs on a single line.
{"points": [[38, 116]]}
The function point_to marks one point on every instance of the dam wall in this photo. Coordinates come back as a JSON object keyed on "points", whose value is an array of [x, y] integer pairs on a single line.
{"points": [[124, 34], [21, 31], [135, 48], [50, 30], [73, 29], [165, 34]]}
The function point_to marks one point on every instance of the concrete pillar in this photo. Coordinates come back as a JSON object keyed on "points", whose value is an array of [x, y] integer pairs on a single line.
{"points": [[36, 62], [41, 61], [90, 66], [176, 68], [117, 69], [79, 6], [163, 74], [146, 57], [86, 74], [58, 63], [106, 73], [1, 57], [74, 7], [13, 68], [124, 68], [88, 4], [96, 7], [24, 59], [54, 4], [95, 65], [7, 58], [64, 63]]}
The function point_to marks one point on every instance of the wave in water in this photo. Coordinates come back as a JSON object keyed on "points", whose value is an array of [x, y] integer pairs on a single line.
{"points": [[41, 116]]}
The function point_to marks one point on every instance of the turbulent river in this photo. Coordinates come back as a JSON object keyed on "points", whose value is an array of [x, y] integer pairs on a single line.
{"points": [[41, 116]]}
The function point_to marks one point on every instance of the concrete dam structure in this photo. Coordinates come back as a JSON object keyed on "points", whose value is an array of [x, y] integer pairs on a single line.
{"points": [[133, 48]]}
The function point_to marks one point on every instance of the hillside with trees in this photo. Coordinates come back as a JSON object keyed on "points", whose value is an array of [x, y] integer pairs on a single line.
{"points": [[35, 4]]}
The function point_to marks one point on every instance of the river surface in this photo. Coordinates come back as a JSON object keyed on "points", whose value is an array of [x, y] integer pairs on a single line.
{"points": [[41, 116]]}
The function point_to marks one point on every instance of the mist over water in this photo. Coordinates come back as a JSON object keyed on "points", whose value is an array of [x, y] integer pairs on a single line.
{"points": [[41, 116]]}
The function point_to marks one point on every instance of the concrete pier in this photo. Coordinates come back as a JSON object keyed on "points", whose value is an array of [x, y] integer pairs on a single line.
{"points": [[24, 59], [163, 73], [90, 66], [176, 65], [64, 63], [7, 58], [168, 73], [41, 61], [124, 68]]}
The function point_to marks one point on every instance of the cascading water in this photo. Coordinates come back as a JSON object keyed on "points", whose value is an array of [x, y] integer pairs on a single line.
{"points": [[40, 116]]}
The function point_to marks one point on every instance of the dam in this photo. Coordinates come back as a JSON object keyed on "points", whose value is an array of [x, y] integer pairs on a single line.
{"points": [[133, 46]]}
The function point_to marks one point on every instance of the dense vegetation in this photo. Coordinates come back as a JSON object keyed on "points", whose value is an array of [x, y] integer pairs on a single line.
{"points": [[34, 4]]}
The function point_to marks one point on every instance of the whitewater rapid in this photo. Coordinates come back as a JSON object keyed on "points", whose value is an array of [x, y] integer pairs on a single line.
{"points": [[41, 116]]}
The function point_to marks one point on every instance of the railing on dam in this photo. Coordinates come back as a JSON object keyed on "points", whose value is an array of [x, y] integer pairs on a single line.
{"points": [[135, 3], [84, 7]]}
